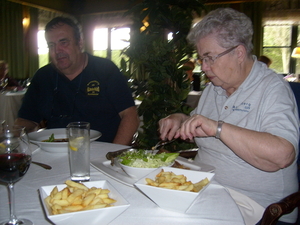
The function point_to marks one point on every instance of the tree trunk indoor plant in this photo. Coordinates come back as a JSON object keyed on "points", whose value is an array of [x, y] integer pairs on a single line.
{"points": [[155, 64]]}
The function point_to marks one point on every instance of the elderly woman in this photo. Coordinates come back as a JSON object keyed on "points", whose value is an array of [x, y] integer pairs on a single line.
{"points": [[246, 121]]}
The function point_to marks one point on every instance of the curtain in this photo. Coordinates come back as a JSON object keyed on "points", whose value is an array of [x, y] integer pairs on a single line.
{"points": [[254, 11], [11, 39], [31, 44]]}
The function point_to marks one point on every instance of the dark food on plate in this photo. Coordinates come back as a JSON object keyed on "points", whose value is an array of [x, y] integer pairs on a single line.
{"points": [[52, 139], [180, 166]]}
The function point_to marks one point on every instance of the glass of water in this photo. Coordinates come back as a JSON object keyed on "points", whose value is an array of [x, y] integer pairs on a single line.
{"points": [[79, 150]]}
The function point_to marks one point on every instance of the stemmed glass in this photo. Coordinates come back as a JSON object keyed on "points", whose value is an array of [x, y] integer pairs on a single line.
{"points": [[15, 159], [3, 84]]}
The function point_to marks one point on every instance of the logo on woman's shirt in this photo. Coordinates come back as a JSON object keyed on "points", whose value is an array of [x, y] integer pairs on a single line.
{"points": [[243, 107]]}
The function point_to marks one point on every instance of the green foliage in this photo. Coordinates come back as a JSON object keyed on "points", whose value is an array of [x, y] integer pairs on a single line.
{"points": [[154, 65]]}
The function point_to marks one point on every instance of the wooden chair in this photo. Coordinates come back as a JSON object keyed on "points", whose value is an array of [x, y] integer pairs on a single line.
{"points": [[274, 211]]}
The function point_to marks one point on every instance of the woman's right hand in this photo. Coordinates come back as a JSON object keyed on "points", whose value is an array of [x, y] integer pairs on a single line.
{"points": [[170, 124]]}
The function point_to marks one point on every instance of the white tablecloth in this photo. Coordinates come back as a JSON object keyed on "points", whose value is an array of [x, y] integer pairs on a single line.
{"points": [[10, 103], [214, 207]]}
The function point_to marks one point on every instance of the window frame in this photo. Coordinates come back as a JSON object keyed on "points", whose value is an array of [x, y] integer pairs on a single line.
{"points": [[295, 33]]}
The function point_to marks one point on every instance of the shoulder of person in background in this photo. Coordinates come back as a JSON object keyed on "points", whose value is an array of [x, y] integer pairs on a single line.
{"points": [[265, 60]]}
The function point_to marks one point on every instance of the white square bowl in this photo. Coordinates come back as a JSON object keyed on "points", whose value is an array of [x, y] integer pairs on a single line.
{"points": [[95, 216], [174, 200]]}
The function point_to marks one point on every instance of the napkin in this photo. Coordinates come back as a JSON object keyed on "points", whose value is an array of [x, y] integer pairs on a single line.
{"points": [[251, 210], [212, 200]]}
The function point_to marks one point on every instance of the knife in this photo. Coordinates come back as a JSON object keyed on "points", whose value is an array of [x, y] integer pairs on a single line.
{"points": [[112, 155]]}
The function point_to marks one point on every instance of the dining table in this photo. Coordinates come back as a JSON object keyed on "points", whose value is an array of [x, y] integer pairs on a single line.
{"points": [[213, 206], [10, 104], [193, 98]]}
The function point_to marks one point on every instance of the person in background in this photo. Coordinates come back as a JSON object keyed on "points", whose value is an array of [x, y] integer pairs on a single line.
{"points": [[265, 60], [189, 66], [191, 76], [246, 123], [7, 82], [77, 86]]}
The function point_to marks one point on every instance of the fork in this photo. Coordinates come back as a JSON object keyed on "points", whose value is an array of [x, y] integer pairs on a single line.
{"points": [[162, 143]]}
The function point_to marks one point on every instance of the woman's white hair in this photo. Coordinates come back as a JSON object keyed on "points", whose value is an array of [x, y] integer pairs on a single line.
{"points": [[231, 27]]}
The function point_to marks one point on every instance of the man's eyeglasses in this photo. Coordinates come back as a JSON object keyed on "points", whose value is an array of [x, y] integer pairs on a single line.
{"points": [[209, 60]]}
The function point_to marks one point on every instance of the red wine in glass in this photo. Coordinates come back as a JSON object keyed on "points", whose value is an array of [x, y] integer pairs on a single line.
{"points": [[15, 159], [13, 166]]}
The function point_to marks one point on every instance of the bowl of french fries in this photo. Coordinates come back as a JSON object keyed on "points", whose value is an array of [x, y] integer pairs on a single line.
{"points": [[174, 189], [95, 202]]}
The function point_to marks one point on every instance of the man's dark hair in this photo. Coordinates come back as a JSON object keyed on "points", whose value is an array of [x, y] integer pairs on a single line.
{"points": [[57, 21]]}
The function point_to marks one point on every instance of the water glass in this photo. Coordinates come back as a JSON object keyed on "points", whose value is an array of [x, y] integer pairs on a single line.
{"points": [[79, 150]]}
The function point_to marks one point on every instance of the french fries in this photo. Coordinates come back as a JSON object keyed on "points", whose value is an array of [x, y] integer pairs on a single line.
{"points": [[77, 197], [170, 180]]}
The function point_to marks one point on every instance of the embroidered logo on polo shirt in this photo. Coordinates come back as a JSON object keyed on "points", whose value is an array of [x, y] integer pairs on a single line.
{"points": [[243, 107], [93, 88]]}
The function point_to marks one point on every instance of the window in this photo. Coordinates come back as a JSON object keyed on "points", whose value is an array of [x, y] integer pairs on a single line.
{"points": [[278, 45], [298, 60], [109, 42], [100, 43], [42, 49]]}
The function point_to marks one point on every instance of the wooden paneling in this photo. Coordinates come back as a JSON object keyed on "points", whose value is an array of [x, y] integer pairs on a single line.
{"points": [[80, 7]]}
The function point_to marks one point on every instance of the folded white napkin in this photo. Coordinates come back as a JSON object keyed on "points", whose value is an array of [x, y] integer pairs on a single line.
{"points": [[251, 210], [215, 206]]}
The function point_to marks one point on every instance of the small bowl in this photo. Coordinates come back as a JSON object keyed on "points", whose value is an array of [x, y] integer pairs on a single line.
{"points": [[56, 147], [174, 200], [94, 216], [135, 172]]}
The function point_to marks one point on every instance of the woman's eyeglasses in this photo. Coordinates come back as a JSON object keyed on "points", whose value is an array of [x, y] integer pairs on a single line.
{"points": [[210, 60]]}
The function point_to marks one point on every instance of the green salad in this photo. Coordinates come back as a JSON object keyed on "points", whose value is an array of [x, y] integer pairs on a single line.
{"points": [[143, 159]]}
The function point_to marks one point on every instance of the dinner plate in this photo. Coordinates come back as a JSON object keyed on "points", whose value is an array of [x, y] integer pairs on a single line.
{"points": [[115, 172], [34, 148], [56, 147]]}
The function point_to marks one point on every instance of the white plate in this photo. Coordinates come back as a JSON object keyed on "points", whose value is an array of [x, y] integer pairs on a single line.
{"points": [[95, 216], [57, 147], [115, 172]]}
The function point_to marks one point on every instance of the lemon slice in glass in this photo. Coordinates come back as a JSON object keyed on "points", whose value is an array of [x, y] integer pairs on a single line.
{"points": [[2, 147], [76, 143]]}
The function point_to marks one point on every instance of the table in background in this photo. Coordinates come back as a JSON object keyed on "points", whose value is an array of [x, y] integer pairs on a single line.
{"points": [[10, 105], [214, 207], [193, 98]]}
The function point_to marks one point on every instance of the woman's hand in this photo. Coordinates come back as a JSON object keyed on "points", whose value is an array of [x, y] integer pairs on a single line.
{"points": [[197, 126], [169, 125]]}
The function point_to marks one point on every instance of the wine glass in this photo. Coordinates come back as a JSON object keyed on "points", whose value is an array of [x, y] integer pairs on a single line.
{"points": [[3, 84], [15, 159]]}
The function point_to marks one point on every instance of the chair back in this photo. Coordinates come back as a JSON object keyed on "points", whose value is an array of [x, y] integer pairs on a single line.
{"points": [[296, 89]]}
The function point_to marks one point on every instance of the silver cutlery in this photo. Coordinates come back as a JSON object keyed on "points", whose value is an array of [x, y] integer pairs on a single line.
{"points": [[45, 166]]}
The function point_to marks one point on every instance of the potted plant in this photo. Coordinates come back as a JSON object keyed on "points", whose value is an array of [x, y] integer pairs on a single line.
{"points": [[155, 63]]}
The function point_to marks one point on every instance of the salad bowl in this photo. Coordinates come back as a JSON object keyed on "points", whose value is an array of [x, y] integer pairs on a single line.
{"points": [[138, 163]]}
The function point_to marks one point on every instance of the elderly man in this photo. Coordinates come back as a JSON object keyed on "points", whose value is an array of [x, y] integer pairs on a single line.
{"points": [[246, 122], [77, 86]]}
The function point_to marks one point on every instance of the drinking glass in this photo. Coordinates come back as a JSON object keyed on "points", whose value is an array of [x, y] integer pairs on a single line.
{"points": [[15, 159], [3, 84], [79, 150]]}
